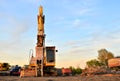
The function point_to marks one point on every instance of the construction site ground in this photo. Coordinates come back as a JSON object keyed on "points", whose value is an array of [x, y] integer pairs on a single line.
{"points": [[106, 77]]}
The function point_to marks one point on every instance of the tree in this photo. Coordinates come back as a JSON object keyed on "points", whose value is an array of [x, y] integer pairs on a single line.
{"points": [[78, 70], [104, 56], [5, 66], [75, 71], [94, 63]]}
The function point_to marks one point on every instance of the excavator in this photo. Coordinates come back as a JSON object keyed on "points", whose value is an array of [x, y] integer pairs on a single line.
{"points": [[43, 63]]}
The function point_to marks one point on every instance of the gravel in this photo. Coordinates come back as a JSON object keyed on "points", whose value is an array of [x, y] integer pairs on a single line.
{"points": [[66, 78]]}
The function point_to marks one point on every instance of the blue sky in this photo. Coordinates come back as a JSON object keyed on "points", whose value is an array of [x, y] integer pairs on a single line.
{"points": [[78, 29]]}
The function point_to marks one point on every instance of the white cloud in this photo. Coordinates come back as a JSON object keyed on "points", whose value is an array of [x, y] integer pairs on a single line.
{"points": [[16, 26], [13, 45], [86, 11], [33, 1], [86, 46], [20, 27], [77, 23], [86, 49]]}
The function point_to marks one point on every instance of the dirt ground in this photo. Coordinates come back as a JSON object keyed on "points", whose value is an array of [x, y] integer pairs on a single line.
{"points": [[67, 78]]}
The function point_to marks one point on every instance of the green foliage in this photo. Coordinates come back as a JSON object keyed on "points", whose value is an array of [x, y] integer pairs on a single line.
{"points": [[102, 62], [78, 70], [5, 66], [104, 56], [116, 68], [75, 71], [94, 63]]}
